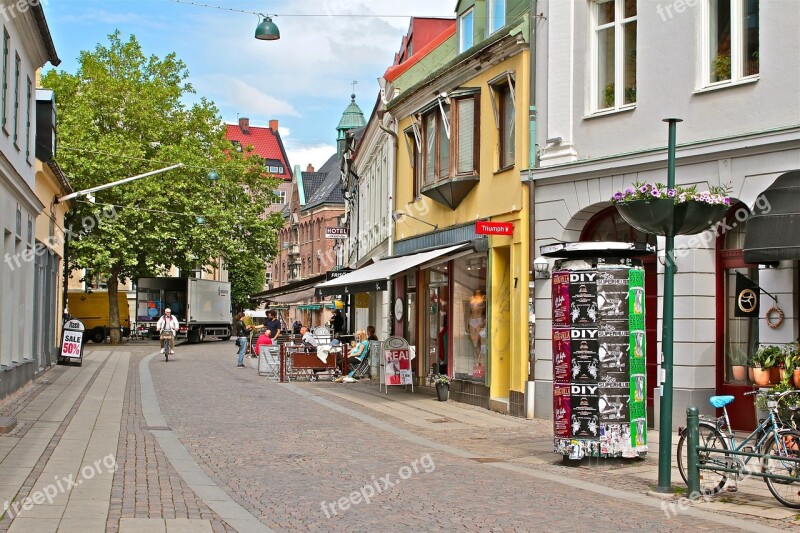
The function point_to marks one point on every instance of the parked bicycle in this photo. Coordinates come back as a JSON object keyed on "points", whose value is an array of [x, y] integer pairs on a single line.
{"points": [[773, 439]]}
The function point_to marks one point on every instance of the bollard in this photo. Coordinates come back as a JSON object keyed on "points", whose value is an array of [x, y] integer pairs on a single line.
{"points": [[692, 442]]}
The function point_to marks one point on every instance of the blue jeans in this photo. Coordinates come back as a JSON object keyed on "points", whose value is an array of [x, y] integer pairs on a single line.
{"points": [[242, 349]]}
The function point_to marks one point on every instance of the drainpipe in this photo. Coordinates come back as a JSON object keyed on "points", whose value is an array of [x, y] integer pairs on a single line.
{"points": [[390, 220], [532, 163]]}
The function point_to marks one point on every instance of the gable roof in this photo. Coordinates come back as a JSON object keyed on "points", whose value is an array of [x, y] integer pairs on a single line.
{"points": [[266, 143], [326, 183]]}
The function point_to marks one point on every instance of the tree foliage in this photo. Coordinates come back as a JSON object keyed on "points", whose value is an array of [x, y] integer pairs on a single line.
{"points": [[123, 114]]}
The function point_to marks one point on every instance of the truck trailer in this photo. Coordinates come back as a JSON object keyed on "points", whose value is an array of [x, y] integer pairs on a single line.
{"points": [[202, 307]]}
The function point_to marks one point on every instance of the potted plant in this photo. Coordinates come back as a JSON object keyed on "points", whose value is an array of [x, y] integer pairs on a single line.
{"points": [[791, 360], [654, 208], [761, 362], [738, 366], [442, 383], [722, 67]]}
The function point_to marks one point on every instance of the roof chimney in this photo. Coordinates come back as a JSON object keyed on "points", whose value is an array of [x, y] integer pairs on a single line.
{"points": [[244, 125], [310, 168], [273, 125]]}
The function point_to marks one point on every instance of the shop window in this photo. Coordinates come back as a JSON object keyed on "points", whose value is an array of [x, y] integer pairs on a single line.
{"points": [[731, 47], [614, 57], [470, 337]]}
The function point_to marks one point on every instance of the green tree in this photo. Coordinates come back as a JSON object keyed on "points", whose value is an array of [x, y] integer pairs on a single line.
{"points": [[123, 114]]}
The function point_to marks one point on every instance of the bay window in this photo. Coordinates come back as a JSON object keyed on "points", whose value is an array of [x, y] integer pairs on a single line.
{"points": [[449, 140]]}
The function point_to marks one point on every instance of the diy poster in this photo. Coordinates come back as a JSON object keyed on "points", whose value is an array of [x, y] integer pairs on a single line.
{"points": [[583, 298]]}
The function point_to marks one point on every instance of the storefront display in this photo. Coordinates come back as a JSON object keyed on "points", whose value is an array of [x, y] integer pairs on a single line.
{"points": [[469, 333], [599, 385]]}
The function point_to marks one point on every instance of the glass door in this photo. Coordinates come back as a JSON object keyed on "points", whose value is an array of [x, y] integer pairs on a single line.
{"points": [[435, 321]]}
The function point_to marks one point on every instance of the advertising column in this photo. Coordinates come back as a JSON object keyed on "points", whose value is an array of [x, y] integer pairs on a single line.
{"points": [[598, 358]]}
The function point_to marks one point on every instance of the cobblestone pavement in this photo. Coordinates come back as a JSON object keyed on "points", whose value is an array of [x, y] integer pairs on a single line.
{"points": [[145, 484], [300, 465]]}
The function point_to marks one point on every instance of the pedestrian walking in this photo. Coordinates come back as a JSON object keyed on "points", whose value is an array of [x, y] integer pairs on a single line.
{"points": [[242, 333]]}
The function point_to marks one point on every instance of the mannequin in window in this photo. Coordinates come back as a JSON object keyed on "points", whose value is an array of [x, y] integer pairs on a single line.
{"points": [[477, 324]]}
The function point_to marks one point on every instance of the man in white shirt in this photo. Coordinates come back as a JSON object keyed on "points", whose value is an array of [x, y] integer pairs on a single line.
{"points": [[167, 324]]}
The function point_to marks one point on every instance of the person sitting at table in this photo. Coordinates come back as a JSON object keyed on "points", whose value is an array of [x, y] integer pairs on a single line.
{"points": [[359, 351], [308, 339], [265, 339]]}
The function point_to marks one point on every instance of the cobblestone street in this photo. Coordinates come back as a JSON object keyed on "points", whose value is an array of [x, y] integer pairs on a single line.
{"points": [[302, 457]]}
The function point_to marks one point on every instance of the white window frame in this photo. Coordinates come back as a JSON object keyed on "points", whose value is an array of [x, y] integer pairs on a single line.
{"points": [[281, 197], [491, 23], [461, 19], [737, 61], [619, 55]]}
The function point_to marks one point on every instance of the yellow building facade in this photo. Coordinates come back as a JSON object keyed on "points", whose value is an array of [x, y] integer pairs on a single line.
{"points": [[462, 145]]}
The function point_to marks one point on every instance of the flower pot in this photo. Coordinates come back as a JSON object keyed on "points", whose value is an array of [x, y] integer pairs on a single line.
{"points": [[739, 372], [775, 375], [654, 216], [750, 374], [442, 391], [761, 376], [796, 378]]}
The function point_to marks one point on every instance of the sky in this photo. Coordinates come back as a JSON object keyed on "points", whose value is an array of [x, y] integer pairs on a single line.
{"points": [[304, 79]]}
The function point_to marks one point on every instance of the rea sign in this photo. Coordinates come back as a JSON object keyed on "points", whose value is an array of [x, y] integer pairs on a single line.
{"points": [[483, 227]]}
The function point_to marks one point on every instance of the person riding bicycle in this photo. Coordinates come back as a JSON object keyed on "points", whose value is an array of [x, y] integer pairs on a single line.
{"points": [[167, 327]]}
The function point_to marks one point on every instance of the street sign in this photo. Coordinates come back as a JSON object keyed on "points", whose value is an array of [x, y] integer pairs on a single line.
{"points": [[484, 227], [336, 233]]}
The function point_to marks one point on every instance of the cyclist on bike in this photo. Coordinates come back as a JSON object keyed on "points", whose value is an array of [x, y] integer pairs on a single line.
{"points": [[167, 327]]}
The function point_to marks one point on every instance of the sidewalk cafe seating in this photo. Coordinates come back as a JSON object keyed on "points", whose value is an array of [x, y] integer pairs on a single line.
{"points": [[301, 362], [269, 361], [362, 368]]}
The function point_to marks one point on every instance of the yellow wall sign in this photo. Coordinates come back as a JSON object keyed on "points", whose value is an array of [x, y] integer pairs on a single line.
{"points": [[362, 300]]}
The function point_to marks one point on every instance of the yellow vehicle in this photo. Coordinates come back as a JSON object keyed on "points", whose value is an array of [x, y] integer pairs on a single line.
{"points": [[91, 308]]}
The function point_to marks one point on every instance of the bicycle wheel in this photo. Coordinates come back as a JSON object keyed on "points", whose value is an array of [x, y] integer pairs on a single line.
{"points": [[711, 481], [786, 445]]}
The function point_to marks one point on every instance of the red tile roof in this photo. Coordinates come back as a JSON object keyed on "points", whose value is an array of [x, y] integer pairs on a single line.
{"points": [[394, 72], [265, 142]]}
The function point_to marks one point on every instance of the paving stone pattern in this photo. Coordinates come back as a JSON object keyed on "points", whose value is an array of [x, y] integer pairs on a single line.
{"points": [[145, 485], [281, 455]]}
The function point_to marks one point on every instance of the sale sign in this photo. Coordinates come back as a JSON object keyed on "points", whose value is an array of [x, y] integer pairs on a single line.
{"points": [[72, 339]]}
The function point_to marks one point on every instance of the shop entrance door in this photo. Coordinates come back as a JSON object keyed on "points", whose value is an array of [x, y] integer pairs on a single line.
{"points": [[435, 321]]}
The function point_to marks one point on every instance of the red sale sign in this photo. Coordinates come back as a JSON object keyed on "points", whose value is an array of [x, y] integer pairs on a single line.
{"points": [[484, 227], [398, 367]]}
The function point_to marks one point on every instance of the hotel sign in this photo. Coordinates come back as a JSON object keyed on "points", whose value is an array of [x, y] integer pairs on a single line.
{"points": [[336, 233]]}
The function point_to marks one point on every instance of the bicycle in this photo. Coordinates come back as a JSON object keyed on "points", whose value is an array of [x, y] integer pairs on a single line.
{"points": [[169, 343], [771, 438]]}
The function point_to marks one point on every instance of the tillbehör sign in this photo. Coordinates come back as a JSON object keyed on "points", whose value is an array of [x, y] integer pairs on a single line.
{"points": [[336, 233], [484, 227]]}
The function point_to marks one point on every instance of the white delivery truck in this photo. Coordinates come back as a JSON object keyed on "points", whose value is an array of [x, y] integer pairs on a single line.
{"points": [[202, 307]]}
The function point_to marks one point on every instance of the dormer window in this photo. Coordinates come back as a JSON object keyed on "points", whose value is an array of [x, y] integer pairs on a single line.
{"points": [[466, 27], [496, 15]]}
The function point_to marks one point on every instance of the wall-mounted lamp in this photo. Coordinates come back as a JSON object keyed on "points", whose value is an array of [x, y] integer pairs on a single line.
{"points": [[267, 30], [542, 268], [397, 215]]}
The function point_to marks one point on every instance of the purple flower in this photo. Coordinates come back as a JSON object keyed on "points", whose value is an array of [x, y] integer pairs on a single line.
{"points": [[643, 189], [655, 192], [671, 193], [629, 191], [617, 197], [727, 201]]}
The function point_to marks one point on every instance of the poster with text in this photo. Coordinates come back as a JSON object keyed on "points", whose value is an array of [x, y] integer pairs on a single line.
{"points": [[561, 410], [561, 354], [585, 414], [584, 360], [398, 367], [636, 298], [560, 299], [615, 439], [614, 403], [614, 341], [583, 298], [638, 424], [612, 294]]}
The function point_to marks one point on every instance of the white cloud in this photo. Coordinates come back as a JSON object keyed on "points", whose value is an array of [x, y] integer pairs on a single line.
{"points": [[315, 154], [236, 94], [284, 132]]}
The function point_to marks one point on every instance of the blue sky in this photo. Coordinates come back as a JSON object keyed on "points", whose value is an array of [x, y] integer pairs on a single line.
{"points": [[303, 80]]}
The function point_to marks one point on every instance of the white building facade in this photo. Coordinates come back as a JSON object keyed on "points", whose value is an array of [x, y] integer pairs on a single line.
{"points": [[607, 73], [26, 46]]}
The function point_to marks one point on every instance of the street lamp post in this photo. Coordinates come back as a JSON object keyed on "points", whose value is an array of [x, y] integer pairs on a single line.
{"points": [[665, 422]]}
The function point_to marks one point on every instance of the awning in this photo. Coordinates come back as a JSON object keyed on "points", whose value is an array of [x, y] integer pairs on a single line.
{"points": [[773, 230], [297, 291], [375, 277]]}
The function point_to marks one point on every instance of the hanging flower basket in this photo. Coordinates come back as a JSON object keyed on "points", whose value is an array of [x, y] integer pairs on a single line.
{"points": [[655, 209]]}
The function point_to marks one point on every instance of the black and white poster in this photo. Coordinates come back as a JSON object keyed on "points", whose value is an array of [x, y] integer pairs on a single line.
{"points": [[614, 402], [584, 360], [614, 346], [585, 412]]}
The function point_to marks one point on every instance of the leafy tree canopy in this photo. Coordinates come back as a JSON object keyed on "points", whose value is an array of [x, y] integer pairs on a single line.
{"points": [[123, 114]]}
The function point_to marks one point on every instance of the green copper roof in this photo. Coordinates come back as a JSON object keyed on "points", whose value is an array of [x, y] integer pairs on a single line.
{"points": [[352, 117]]}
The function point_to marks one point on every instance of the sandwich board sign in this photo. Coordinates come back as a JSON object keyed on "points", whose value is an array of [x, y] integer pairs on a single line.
{"points": [[72, 341], [396, 363]]}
